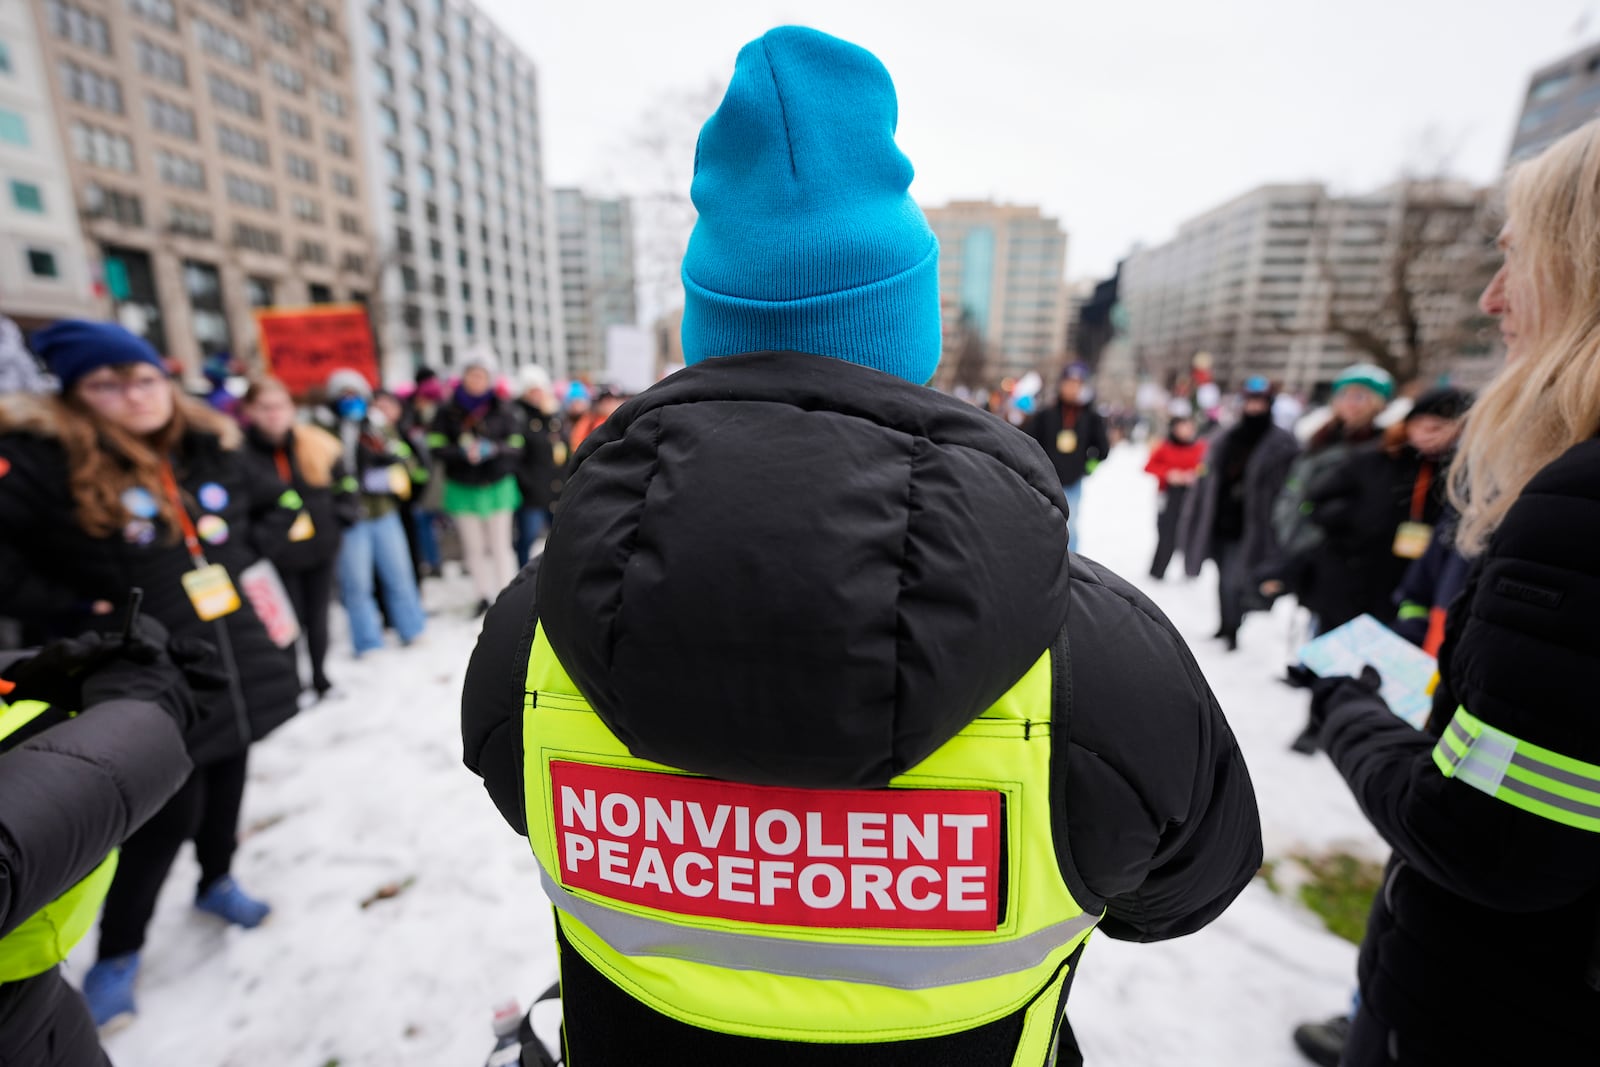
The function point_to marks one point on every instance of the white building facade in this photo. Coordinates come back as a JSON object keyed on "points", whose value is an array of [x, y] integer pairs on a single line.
{"points": [[461, 213]]}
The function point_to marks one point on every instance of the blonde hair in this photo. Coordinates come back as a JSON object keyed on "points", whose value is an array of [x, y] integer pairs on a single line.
{"points": [[1549, 399]]}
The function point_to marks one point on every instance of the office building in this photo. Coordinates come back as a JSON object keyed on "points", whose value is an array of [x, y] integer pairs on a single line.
{"points": [[1561, 97], [44, 271], [214, 151], [1294, 283], [451, 113], [595, 249], [1001, 269]]}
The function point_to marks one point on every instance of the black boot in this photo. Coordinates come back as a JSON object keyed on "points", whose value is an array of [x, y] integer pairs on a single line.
{"points": [[1323, 1043]]}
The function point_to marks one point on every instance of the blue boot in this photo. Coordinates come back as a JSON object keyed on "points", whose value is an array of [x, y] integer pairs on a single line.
{"points": [[108, 987], [228, 902]]}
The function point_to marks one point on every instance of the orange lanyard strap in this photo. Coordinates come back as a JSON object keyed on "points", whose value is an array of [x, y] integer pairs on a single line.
{"points": [[1419, 490], [191, 539], [284, 472]]}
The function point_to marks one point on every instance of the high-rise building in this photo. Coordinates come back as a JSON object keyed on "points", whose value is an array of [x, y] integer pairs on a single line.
{"points": [[44, 272], [214, 150], [1001, 269], [1561, 97], [451, 111], [595, 246], [1293, 283]]}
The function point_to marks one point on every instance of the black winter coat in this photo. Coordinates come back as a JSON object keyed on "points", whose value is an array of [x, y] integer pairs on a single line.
{"points": [[1263, 478], [331, 508], [544, 456], [68, 796], [1478, 945], [828, 572], [1089, 436], [1359, 505], [500, 425], [51, 571]]}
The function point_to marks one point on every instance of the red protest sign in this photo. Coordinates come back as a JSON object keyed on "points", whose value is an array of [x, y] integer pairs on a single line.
{"points": [[908, 859], [302, 346]]}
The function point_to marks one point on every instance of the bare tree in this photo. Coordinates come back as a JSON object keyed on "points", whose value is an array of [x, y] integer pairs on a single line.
{"points": [[971, 365]]}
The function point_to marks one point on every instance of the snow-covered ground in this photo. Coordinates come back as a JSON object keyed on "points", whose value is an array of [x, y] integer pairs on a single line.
{"points": [[369, 792]]}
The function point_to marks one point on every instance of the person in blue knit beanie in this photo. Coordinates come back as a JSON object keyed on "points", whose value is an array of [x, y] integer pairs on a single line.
{"points": [[797, 609], [808, 239]]}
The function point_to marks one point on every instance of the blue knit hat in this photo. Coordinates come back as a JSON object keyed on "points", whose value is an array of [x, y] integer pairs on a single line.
{"points": [[72, 348], [807, 239]]}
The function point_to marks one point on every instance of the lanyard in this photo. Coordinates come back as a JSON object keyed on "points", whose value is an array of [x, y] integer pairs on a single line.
{"points": [[1419, 490], [1072, 423], [282, 459], [190, 539]]}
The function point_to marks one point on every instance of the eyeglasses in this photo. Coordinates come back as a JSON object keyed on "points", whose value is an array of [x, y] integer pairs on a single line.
{"points": [[117, 388]]}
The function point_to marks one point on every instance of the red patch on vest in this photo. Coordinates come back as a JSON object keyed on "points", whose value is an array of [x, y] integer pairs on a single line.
{"points": [[906, 859]]}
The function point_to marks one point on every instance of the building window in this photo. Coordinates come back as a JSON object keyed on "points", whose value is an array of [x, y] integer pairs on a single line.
{"points": [[384, 77], [305, 209], [256, 239], [326, 59], [320, 16], [332, 103], [287, 78], [258, 292], [350, 224], [408, 279], [377, 33], [394, 162], [425, 177], [13, 128], [25, 196], [300, 167], [78, 26], [444, 83], [91, 144], [353, 263], [90, 87], [456, 193], [443, 319], [250, 193], [397, 200], [343, 184], [234, 8], [469, 324], [161, 63], [312, 252], [413, 61], [204, 286], [227, 93], [181, 218], [223, 44], [160, 12], [279, 30], [419, 100], [319, 294], [293, 123], [388, 121], [42, 263], [181, 171], [235, 142], [436, 251], [170, 118], [424, 141], [337, 143]]}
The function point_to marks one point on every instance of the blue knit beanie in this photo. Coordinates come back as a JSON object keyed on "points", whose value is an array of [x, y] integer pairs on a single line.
{"points": [[72, 348], [807, 239]]}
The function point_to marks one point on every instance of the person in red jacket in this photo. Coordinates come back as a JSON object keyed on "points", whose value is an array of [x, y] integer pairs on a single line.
{"points": [[1176, 464]]}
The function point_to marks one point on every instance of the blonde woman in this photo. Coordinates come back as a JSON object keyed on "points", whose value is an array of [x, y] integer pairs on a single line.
{"points": [[1484, 944], [123, 481]]}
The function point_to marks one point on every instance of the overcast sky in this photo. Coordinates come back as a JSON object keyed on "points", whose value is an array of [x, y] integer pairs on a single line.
{"points": [[1121, 118]]}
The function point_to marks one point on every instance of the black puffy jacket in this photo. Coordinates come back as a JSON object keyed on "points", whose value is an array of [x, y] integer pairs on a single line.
{"points": [[498, 424], [781, 568], [1088, 428], [1479, 943], [51, 570]]}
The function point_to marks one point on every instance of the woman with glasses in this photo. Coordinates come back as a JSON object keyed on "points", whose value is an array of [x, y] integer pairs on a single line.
{"points": [[122, 481]]}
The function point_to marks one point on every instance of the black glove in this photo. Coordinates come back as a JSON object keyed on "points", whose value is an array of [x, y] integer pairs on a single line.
{"points": [[1325, 691]]}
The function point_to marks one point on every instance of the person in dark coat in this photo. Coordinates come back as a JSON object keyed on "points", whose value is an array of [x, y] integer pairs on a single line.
{"points": [[124, 481], [785, 626], [308, 460], [1175, 462], [1430, 586], [1376, 511], [1073, 434], [544, 457], [1483, 946], [92, 744], [478, 437], [1228, 516]]}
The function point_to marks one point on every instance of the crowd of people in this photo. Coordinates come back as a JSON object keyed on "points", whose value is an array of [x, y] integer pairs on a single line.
{"points": [[822, 769]]}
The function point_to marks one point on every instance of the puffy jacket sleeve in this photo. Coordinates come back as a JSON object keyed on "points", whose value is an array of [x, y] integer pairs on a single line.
{"points": [[73, 793], [492, 696], [1160, 815], [1520, 654], [31, 497]]}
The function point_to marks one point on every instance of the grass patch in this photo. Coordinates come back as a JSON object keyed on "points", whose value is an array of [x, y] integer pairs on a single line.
{"points": [[1337, 886]]}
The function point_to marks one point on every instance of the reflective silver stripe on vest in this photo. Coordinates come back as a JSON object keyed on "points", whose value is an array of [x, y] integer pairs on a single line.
{"points": [[896, 966]]}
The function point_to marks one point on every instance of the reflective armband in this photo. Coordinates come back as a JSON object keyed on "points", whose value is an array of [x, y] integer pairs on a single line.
{"points": [[348, 484], [291, 501], [437, 440], [1410, 609], [1537, 780], [516, 440]]}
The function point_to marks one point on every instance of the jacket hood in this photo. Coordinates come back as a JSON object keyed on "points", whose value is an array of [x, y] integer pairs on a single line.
{"points": [[780, 569]]}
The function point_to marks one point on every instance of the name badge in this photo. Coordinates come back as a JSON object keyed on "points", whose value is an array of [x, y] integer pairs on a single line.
{"points": [[1411, 539], [1066, 442], [211, 592], [303, 529]]}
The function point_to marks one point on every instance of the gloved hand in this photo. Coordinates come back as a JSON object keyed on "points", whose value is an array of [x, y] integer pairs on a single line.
{"points": [[1326, 692]]}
